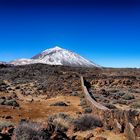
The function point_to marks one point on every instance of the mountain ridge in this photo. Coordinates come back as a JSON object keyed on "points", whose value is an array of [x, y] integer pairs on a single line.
{"points": [[57, 56]]}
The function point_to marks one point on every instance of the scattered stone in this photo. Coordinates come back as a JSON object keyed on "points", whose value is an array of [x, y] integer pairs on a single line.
{"points": [[8, 117], [74, 93], [14, 95], [30, 100], [79, 113], [59, 104]]}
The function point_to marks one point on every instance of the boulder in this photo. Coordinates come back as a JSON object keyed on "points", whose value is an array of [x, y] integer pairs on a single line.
{"points": [[8, 117], [59, 104], [74, 93]]}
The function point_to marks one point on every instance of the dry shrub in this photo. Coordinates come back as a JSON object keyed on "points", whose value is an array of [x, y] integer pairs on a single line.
{"points": [[88, 110], [136, 105], [87, 122], [128, 96], [61, 124], [30, 131], [61, 121]]}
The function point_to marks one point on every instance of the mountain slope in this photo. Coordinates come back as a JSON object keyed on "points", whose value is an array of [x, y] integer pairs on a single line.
{"points": [[22, 61], [57, 56], [2, 62]]}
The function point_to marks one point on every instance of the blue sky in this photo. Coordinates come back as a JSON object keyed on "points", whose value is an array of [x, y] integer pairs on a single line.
{"points": [[104, 31]]}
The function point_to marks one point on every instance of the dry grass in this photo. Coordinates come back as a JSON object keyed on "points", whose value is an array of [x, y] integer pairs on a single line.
{"points": [[61, 124], [87, 122], [61, 121]]}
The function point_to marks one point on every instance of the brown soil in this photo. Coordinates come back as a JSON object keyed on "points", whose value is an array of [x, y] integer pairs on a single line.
{"points": [[107, 134], [37, 86], [40, 109]]}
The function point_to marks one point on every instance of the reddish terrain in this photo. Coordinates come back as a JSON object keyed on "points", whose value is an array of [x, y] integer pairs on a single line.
{"points": [[30, 92]]}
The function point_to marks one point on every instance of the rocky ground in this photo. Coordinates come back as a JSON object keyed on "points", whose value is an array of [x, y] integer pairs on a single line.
{"points": [[37, 92]]}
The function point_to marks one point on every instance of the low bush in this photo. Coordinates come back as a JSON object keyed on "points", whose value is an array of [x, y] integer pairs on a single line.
{"points": [[118, 95], [121, 101], [11, 102], [87, 122], [104, 92], [61, 124], [128, 96], [114, 101], [5, 124], [103, 99], [110, 106], [82, 95], [30, 131], [74, 93], [88, 110], [83, 102], [61, 121], [136, 105], [2, 101]]}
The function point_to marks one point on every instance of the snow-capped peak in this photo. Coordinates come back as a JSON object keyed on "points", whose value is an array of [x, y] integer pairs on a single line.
{"points": [[57, 56], [56, 48], [60, 56]]}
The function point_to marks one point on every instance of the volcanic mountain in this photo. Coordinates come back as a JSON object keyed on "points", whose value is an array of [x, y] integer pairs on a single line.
{"points": [[57, 56]]}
